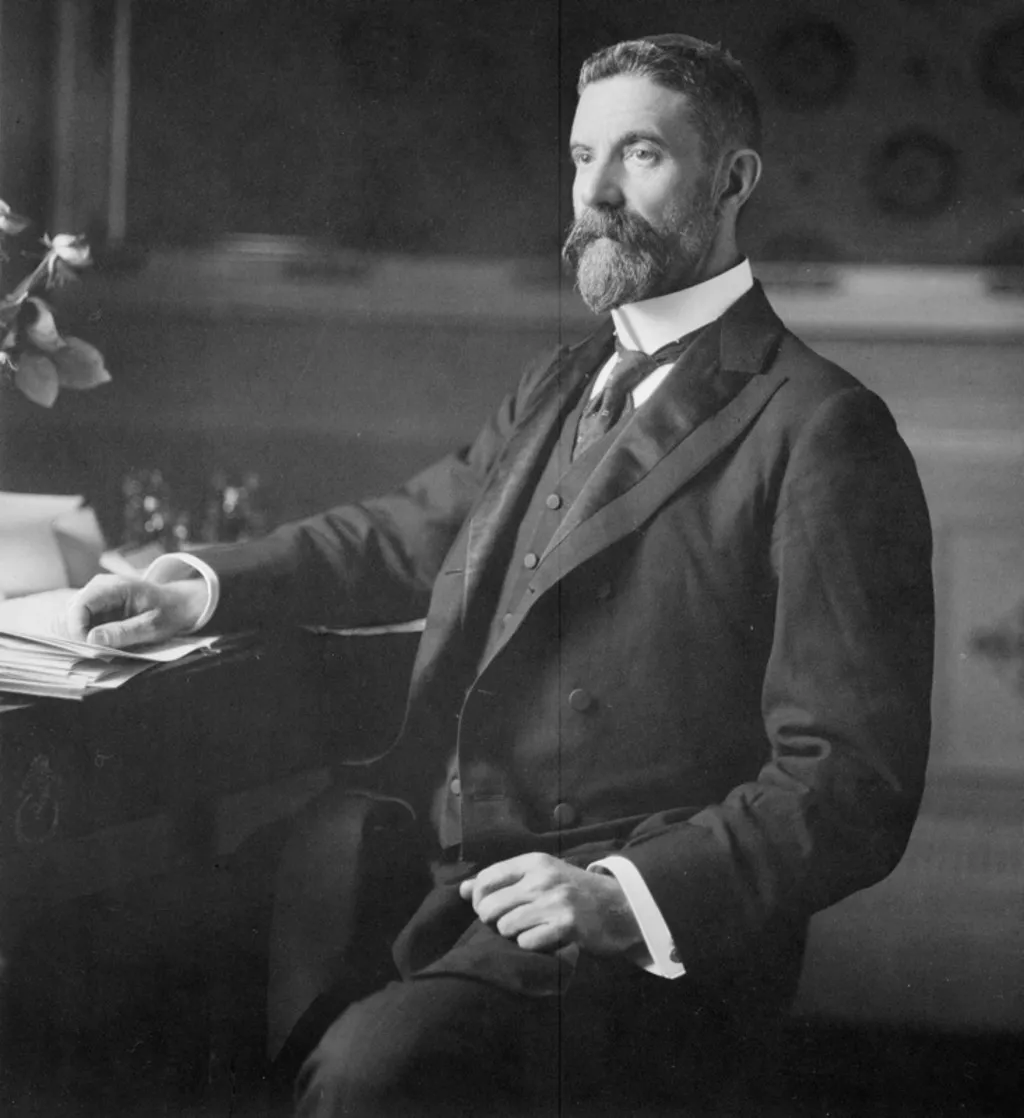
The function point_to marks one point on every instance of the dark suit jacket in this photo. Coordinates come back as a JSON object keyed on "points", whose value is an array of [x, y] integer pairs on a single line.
{"points": [[721, 667]]}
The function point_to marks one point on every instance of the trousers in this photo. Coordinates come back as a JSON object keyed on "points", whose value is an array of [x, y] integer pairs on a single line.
{"points": [[431, 1012]]}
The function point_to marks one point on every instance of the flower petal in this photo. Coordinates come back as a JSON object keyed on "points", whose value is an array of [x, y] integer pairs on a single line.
{"points": [[41, 331], [36, 376], [80, 365], [10, 222], [72, 248]]}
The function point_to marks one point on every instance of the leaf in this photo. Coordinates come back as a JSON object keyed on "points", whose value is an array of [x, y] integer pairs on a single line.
{"points": [[36, 376], [8, 312], [41, 330], [80, 365]]}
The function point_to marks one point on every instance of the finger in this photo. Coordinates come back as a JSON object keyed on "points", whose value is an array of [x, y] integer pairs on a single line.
{"points": [[93, 601], [122, 634], [78, 621], [494, 906], [518, 919], [500, 875], [548, 912], [466, 888], [541, 937]]}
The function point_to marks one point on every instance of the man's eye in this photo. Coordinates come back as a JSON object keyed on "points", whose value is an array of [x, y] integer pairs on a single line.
{"points": [[581, 157], [643, 154]]}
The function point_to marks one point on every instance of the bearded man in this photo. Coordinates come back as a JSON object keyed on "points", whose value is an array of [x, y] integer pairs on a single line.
{"points": [[672, 696]]}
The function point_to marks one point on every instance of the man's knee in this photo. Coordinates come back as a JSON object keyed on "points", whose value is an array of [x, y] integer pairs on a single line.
{"points": [[418, 1048], [360, 1063]]}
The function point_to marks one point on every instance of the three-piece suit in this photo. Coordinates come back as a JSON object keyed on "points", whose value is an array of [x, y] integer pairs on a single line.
{"points": [[707, 647]]}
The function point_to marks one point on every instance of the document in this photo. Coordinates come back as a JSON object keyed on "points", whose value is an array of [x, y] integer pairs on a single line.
{"points": [[36, 659], [46, 542], [65, 669]]}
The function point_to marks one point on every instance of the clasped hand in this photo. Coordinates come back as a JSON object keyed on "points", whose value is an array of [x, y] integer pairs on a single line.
{"points": [[542, 902]]}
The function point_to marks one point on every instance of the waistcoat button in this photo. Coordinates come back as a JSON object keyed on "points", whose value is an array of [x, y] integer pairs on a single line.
{"points": [[455, 786], [564, 815], [530, 560], [580, 699], [553, 501]]}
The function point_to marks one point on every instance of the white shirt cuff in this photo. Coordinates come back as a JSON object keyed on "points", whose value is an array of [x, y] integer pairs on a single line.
{"points": [[661, 950], [180, 564]]}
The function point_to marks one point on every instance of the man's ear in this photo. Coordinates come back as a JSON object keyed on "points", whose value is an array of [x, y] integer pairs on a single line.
{"points": [[741, 170]]}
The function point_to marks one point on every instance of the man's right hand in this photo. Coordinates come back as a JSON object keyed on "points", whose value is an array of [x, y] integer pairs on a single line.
{"points": [[119, 612]]}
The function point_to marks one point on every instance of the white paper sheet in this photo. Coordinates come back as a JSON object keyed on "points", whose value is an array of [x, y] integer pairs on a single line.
{"points": [[47, 541]]}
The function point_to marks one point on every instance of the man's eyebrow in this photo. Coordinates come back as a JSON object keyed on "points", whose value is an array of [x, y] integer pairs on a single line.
{"points": [[636, 136]]}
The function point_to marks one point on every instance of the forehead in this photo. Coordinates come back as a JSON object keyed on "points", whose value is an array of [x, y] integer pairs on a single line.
{"points": [[627, 103]]}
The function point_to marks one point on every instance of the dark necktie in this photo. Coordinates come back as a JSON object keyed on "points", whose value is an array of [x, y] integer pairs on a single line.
{"points": [[608, 406]]}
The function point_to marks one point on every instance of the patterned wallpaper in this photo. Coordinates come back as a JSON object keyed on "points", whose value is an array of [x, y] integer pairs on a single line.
{"points": [[894, 128]]}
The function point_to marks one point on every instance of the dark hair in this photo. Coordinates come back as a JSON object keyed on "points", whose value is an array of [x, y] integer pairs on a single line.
{"points": [[722, 100]]}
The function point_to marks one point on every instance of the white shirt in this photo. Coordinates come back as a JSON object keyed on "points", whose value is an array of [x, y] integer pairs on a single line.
{"points": [[646, 326], [649, 325]]}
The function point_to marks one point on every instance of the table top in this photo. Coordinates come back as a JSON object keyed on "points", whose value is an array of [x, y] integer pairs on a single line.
{"points": [[166, 759]]}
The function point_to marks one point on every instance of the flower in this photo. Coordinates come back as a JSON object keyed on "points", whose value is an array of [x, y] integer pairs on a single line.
{"points": [[34, 355], [72, 249], [11, 224], [67, 252]]}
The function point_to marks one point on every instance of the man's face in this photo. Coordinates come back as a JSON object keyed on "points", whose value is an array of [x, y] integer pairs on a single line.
{"points": [[643, 197]]}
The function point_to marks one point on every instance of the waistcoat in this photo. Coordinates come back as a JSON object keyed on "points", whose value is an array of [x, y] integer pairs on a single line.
{"points": [[559, 485]]}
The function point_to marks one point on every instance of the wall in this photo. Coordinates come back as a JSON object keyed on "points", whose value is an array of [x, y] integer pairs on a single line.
{"points": [[892, 128]]}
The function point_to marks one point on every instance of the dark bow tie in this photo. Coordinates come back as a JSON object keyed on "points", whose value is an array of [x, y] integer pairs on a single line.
{"points": [[608, 406]]}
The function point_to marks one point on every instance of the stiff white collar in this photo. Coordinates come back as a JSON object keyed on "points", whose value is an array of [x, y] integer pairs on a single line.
{"points": [[652, 323]]}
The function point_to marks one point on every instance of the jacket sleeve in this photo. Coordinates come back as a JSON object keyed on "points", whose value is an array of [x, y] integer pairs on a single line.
{"points": [[369, 562], [845, 700]]}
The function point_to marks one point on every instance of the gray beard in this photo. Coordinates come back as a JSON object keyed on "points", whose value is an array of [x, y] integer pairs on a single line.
{"points": [[612, 272]]}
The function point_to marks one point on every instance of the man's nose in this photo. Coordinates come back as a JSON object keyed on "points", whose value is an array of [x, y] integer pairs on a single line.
{"points": [[598, 185]]}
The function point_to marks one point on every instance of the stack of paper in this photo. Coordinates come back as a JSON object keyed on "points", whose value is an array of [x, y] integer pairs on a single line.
{"points": [[57, 668], [46, 542]]}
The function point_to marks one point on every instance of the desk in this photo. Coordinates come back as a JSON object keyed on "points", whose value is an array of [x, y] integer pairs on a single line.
{"points": [[183, 764], [138, 837]]}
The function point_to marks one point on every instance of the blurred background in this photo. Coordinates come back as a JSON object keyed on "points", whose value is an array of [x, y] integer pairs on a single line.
{"points": [[327, 238]]}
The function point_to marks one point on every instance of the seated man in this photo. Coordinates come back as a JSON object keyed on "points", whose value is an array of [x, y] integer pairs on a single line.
{"points": [[673, 692]]}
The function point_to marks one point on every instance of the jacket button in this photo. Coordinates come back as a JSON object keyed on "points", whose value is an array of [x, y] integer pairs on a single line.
{"points": [[530, 560], [564, 815], [604, 591], [673, 956], [455, 786], [580, 699], [553, 501]]}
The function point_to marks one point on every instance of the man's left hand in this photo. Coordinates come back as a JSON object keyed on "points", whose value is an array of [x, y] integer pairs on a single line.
{"points": [[542, 902]]}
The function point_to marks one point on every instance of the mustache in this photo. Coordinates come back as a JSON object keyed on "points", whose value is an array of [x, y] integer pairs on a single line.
{"points": [[618, 224]]}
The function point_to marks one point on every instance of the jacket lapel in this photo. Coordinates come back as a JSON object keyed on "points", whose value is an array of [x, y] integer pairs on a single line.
{"points": [[494, 520], [716, 391]]}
